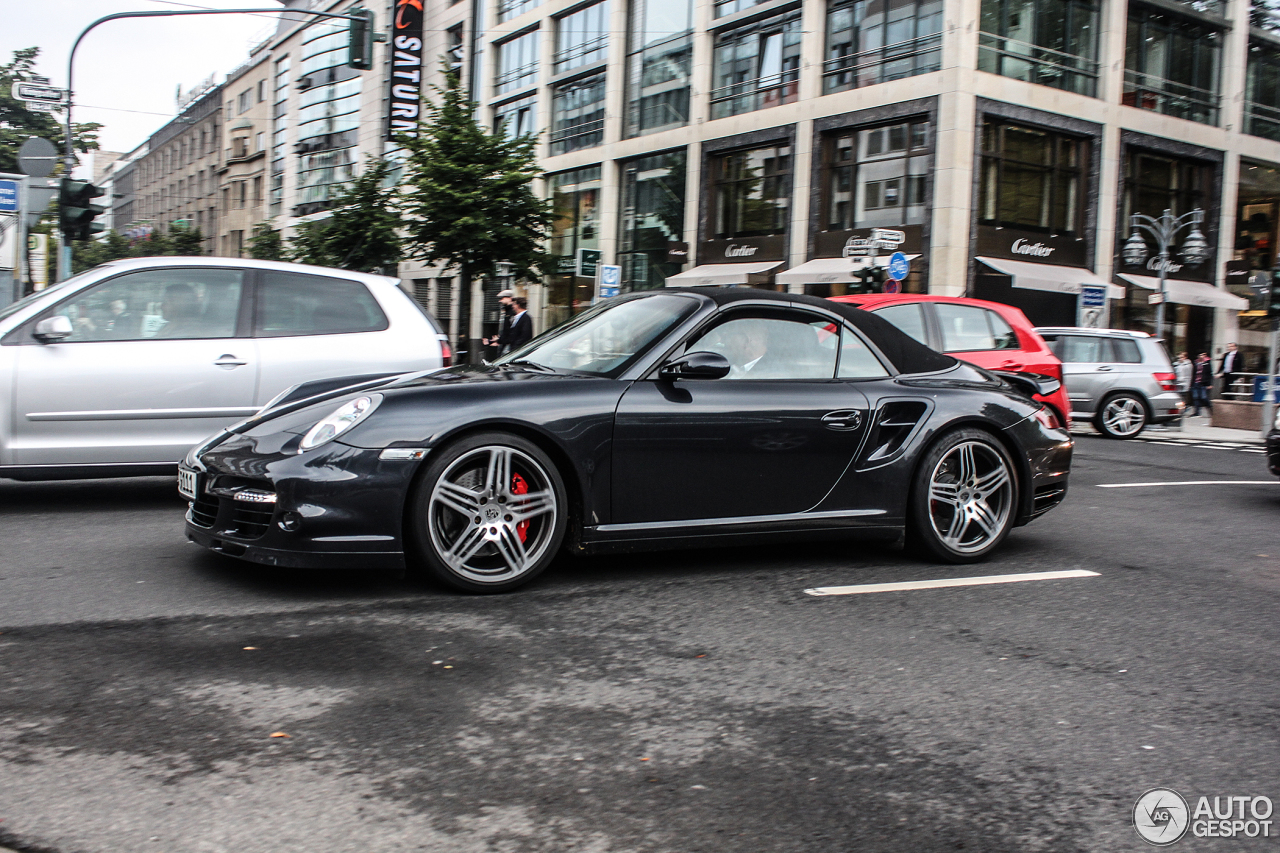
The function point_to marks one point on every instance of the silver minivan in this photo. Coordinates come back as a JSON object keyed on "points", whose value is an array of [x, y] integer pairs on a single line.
{"points": [[122, 369], [1120, 380]]}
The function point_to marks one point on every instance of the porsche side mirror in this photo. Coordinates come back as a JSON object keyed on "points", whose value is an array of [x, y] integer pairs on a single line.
{"points": [[696, 365], [52, 329]]}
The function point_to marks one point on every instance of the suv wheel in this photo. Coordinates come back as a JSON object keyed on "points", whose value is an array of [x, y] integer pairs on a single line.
{"points": [[1121, 416]]}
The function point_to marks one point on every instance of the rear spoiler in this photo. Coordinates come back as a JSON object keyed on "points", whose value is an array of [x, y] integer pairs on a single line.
{"points": [[1030, 384]]}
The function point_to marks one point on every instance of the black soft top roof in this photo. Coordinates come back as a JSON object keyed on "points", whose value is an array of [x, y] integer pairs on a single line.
{"points": [[907, 354]]}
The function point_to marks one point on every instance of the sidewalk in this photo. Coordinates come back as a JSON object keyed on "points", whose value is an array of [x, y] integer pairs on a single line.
{"points": [[1195, 429]]}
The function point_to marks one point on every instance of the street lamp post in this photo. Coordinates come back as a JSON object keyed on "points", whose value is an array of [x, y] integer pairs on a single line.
{"points": [[1165, 228]]}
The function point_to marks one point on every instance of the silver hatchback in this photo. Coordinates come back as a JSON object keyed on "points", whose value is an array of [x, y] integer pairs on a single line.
{"points": [[122, 369], [1120, 380]]}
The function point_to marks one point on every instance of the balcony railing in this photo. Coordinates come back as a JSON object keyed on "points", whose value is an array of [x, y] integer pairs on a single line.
{"points": [[758, 94], [1035, 64], [583, 53], [1148, 92], [1262, 120], [891, 62], [582, 134]]}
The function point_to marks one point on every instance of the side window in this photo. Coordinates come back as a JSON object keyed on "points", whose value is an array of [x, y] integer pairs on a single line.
{"points": [[1080, 349], [295, 304], [170, 304], [773, 346], [1125, 351], [909, 318], [857, 361], [964, 328], [1004, 335]]}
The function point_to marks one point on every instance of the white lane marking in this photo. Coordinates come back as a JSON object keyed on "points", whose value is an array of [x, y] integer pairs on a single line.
{"points": [[1192, 483], [945, 582]]}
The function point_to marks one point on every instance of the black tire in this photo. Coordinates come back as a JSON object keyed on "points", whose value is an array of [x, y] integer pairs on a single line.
{"points": [[960, 517], [486, 549], [1121, 416]]}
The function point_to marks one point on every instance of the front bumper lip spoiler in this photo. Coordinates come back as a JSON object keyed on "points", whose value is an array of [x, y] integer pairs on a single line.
{"points": [[297, 559]]}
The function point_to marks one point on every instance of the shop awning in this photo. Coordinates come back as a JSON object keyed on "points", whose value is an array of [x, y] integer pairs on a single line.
{"points": [[1051, 277], [830, 270], [1190, 292], [724, 275]]}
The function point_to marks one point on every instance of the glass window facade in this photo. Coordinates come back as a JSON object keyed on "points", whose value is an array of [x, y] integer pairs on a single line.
{"points": [[872, 41], [1171, 65], [757, 66], [751, 191], [582, 38], [1050, 42], [1262, 92], [1031, 179], [659, 59], [576, 204], [652, 217], [876, 177], [517, 63], [516, 118], [508, 9], [328, 117], [577, 114]]}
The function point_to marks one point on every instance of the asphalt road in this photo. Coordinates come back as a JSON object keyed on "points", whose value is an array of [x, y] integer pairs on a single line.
{"points": [[685, 701]]}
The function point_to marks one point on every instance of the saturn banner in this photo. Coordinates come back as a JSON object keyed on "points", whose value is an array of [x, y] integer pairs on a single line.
{"points": [[406, 69]]}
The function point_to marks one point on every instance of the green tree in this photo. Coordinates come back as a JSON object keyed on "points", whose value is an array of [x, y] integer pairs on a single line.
{"points": [[17, 123], [265, 244], [185, 240], [468, 199], [361, 232]]}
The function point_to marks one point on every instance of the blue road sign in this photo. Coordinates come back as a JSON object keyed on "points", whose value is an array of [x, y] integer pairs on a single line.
{"points": [[1093, 296], [899, 266], [9, 196], [610, 280], [892, 286]]}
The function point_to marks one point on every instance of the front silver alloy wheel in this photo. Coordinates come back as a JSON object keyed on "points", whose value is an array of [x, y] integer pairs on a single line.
{"points": [[971, 494], [492, 514], [1124, 416]]}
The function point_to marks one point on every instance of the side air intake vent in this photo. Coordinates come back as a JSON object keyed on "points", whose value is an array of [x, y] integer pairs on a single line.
{"points": [[893, 425]]}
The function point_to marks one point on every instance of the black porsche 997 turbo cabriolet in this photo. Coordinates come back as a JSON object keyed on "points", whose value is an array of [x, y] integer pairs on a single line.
{"points": [[658, 419]]}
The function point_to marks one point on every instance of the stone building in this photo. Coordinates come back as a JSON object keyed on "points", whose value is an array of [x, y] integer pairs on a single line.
{"points": [[242, 180]]}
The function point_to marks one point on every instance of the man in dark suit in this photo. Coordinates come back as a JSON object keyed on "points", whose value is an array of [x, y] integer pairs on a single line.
{"points": [[1232, 363], [520, 332]]}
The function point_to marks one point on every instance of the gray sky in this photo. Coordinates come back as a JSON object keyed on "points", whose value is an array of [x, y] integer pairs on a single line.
{"points": [[127, 71]]}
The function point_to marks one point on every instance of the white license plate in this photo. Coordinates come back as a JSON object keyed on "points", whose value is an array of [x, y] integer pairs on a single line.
{"points": [[188, 484]]}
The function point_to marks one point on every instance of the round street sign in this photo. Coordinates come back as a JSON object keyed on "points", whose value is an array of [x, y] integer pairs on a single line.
{"points": [[892, 286], [37, 157], [898, 266]]}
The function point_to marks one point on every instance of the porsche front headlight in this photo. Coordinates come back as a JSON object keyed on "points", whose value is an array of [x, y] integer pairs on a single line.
{"points": [[343, 418]]}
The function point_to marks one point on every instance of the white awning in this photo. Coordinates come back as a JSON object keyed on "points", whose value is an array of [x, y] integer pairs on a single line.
{"points": [[1051, 277], [724, 275], [830, 270], [1190, 292]]}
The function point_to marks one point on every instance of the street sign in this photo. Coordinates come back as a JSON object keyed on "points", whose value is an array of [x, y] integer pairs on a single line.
{"points": [[893, 285], [39, 193], [1091, 318], [1093, 296], [1155, 298], [610, 281], [899, 266], [37, 157], [588, 260], [39, 93], [10, 197]]}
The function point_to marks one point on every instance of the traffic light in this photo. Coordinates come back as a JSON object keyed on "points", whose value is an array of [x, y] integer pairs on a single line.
{"points": [[870, 279], [76, 211], [360, 41]]}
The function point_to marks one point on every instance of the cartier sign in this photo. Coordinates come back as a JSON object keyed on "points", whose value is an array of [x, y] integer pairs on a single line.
{"points": [[1025, 247], [1040, 248], [742, 249]]}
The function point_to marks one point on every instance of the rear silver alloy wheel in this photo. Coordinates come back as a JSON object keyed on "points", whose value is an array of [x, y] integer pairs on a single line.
{"points": [[1123, 416], [492, 515], [971, 496]]}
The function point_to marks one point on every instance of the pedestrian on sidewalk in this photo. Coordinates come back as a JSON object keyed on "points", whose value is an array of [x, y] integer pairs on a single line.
{"points": [[1182, 369], [1232, 363], [1201, 383]]}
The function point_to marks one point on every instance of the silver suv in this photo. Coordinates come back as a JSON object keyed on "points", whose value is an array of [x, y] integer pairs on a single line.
{"points": [[120, 370], [1120, 380]]}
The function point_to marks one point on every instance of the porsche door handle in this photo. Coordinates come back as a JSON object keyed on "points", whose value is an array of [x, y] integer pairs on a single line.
{"points": [[227, 361], [844, 420]]}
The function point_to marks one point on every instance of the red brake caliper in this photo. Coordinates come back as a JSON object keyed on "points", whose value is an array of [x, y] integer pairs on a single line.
{"points": [[520, 487]]}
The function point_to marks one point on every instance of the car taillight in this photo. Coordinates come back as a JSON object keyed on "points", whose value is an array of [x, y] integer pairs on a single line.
{"points": [[1168, 381], [446, 354], [1048, 418]]}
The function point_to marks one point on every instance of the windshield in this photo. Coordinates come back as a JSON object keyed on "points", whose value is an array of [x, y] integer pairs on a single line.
{"points": [[14, 308], [604, 340]]}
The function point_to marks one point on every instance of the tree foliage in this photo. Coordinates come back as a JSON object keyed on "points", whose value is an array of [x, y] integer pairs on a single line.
{"points": [[362, 230], [86, 254], [468, 199], [265, 243], [17, 123]]}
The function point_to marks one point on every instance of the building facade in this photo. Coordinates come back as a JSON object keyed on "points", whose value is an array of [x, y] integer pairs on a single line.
{"points": [[242, 179]]}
